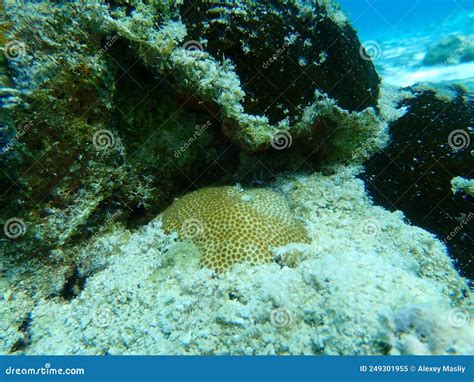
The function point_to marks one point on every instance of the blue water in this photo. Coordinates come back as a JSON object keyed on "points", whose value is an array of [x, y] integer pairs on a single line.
{"points": [[400, 34], [395, 18]]}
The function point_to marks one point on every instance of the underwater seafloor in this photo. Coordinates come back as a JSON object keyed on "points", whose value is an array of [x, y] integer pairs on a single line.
{"points": [[233, 177]]}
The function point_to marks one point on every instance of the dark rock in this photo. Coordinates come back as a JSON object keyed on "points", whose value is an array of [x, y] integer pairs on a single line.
{"points": [[283, 52], [430, 145]]}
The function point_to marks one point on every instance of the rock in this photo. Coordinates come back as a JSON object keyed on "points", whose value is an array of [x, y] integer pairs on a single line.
{"points": [[430, 145], [120, 110], [451, 50], [283, 51]]}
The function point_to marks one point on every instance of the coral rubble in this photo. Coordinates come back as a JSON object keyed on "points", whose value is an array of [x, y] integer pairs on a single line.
{"points": [[368, 283]]}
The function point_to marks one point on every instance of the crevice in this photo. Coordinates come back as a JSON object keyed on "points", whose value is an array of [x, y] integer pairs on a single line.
{"points": [[22, 343], [74, 284]]}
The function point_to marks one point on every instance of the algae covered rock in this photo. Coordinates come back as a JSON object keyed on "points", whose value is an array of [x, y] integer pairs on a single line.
{"points": [[231, 225], [430, 145], [117, 108], [283, 51], [55, 172], [451, 50], [221, 54], [459, 184]]}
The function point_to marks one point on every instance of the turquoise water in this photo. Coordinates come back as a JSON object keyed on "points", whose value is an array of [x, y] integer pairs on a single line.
{"points": [[401, 33], [389, 18]]}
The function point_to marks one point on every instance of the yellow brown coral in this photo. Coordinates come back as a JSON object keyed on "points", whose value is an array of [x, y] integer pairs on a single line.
{"points": [[230, 225]]}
